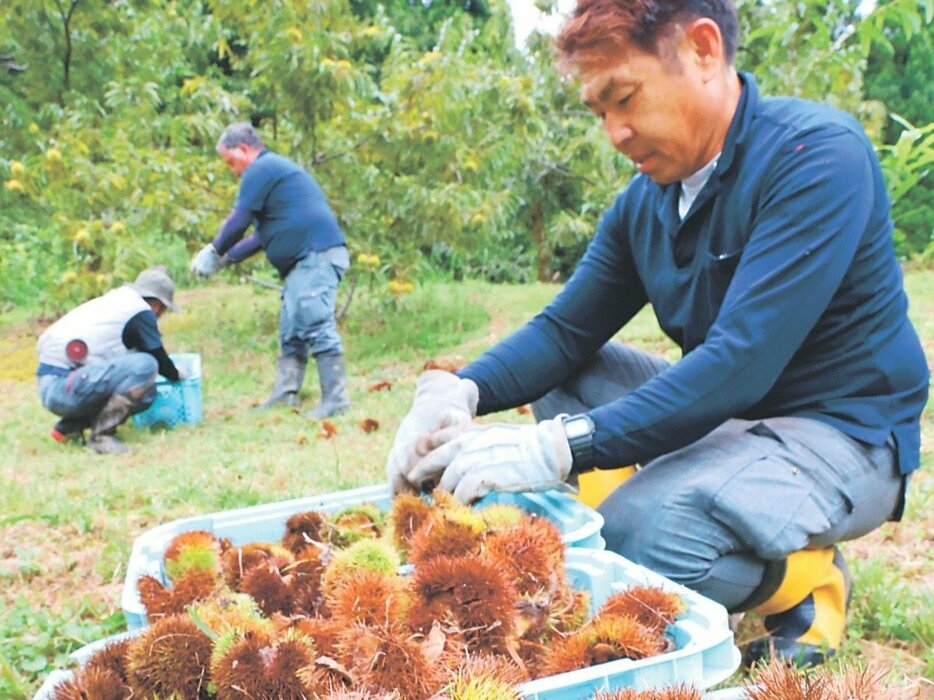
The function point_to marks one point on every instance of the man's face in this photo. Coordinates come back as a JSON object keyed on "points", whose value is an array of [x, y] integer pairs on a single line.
{"points": [[238, 157], [656, 110]]}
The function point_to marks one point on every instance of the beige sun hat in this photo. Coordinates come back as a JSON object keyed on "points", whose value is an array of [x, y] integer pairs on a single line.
{"points": [[156, 283]]}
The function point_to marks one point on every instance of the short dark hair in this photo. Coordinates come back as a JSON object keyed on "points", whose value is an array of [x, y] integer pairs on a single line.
{"points": [[239, 133], [595, 25]]}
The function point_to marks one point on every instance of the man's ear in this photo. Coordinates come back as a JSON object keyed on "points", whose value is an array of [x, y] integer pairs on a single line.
{"points": [[705, 44]]}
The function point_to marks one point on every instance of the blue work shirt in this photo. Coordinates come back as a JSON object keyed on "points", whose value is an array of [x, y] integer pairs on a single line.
{"points": [[291, 214], [780, 285]]}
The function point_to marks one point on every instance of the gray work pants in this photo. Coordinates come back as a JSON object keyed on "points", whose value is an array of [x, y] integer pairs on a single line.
{"points": [[307, 325], [710, 514], [83, 393]]}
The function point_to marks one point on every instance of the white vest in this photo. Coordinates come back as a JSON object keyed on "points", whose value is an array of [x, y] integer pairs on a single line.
{"points": [[98, 322]]}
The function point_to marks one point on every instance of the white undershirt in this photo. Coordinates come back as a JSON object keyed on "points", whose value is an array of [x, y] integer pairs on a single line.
{"points": [[693, 184]]}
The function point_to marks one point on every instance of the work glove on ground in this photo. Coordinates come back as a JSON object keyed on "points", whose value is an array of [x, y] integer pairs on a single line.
{"points": [[207, 261], [497, 457], [442, 400]]}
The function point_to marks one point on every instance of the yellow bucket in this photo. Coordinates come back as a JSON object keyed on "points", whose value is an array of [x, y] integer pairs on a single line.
{"points": [[597, 484]]}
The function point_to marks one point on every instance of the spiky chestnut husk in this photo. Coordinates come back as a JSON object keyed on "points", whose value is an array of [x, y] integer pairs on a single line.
{"points": [[161, 601], [557, 613], [778, 680], [227, 610], [548, 614], [682, 692], [444, 500], [652, 606], [409, 511], [500, 515], [355, 523], [155, 597], [346, 694], [256, 666], [369, 597], [386, 659], [532, 654], [305, 573], [532, 551], [93, 684], [236, 561], [196, 550], [374, 555], [112, 657], [171, 656], [271, 590], [470, 594], [323, 631], [604, 640], [485, 677], [445, 534], [302, 529]]}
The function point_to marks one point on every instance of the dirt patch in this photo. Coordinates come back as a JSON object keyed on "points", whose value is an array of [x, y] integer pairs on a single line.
{"points": [[44, 564]]}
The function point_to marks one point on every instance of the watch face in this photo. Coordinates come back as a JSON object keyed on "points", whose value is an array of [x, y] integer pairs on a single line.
{"points": [[577, 427]]}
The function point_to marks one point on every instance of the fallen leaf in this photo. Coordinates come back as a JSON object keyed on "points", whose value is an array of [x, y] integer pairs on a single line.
{"points": [[368, 425], [446, 365], [301, 439], [523, 410], [328, 429], [380, 385], [433, 646]]}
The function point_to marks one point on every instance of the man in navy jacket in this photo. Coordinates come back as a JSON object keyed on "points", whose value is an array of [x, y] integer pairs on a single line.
{"points": [[294, 224], [759, 231]]}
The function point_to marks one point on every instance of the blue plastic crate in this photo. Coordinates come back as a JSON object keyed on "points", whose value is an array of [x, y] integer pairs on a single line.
{"points": [[579, 525], [176, 402], [704, 653]]}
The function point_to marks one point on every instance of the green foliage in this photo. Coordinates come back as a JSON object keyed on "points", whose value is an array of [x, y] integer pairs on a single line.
{"points": [[900, 74], [438, 142], [36, 640]]}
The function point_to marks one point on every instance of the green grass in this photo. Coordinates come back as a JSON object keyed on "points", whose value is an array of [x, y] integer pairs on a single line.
{"points": [[68, 517]]}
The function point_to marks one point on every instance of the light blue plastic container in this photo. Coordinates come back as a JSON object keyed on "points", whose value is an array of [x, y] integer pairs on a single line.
{"points": [[704, 653], [176, 402], [579, 525]]}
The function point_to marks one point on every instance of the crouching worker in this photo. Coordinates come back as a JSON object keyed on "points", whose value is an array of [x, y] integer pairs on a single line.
{"points": [[758, 231], [98, 363]]}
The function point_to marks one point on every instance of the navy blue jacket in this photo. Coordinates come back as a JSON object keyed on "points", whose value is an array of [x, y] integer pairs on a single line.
{"points": [[291, 214], [780, 286]]}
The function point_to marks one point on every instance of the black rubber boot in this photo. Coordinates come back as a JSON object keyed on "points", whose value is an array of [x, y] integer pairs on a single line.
{"points": [[68, 430], [115, 411], [290, 373], [333, 381]]}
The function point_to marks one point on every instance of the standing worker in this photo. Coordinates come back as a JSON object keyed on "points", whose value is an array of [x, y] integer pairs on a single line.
{"points": [[98, 363], [302, 239], [759, 231]]}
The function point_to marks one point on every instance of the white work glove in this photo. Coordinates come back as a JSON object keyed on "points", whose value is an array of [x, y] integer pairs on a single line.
{"points": [[207, 261], [442, 400], [498, 457]]}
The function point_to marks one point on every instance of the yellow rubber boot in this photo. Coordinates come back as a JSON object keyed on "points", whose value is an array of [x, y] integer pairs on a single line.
{"points": [[594, 486], [805, 616]]}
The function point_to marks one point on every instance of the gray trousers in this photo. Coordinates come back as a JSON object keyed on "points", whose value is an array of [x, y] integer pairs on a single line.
{"points": [[81, 395], [307, 326], [709, 515]]}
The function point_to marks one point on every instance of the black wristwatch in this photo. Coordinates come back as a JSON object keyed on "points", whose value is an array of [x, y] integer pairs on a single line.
{"points": [[579, 430]]}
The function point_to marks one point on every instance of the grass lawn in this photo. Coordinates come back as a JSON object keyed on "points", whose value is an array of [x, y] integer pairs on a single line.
{"points": [[69, 517]]}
